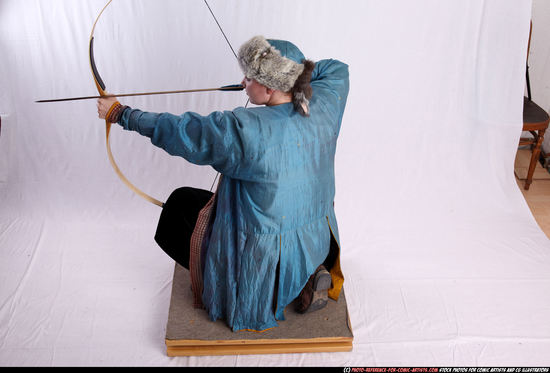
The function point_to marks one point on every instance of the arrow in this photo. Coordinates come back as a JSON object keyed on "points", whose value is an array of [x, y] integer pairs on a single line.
{"points": [[232, 87]]}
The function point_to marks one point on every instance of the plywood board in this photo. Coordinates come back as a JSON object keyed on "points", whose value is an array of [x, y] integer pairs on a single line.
{"points": [[190, 332]]}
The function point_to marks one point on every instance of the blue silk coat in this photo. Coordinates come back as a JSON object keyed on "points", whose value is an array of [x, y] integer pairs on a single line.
{"points": [[275, 200]]}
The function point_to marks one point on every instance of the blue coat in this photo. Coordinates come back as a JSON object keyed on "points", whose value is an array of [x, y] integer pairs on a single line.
{"points": [[275, 200]]}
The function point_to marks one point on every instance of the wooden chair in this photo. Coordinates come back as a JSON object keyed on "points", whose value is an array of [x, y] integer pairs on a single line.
{"points": [[535, 121]]}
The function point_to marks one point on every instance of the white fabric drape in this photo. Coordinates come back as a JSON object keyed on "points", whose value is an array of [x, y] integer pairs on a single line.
{"points": [[443, 260]]}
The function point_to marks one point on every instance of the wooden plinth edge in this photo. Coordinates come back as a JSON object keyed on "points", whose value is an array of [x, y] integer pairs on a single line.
{"points": [[246, 347], [195, 347]]}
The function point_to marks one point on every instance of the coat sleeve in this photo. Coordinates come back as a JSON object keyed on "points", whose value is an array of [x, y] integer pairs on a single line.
{"points": [[332, 77], [203, 140]]}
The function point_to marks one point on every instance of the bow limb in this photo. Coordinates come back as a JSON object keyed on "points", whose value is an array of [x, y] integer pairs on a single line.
{"points": [[100, 85]]}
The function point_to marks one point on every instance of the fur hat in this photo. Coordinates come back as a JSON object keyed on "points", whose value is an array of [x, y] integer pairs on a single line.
{"points": [[278, 64]]}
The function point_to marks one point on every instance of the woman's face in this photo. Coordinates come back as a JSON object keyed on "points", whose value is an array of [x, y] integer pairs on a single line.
{"points": [[258, 93]]}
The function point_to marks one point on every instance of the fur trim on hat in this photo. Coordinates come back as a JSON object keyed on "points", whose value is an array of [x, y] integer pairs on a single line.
{"points": [[262, 62]]}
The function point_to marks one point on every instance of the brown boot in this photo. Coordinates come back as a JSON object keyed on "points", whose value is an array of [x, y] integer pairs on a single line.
{"points": [[314, 295]]}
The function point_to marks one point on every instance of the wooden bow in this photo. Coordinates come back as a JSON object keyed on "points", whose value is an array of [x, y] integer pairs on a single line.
{"points": [[100, 85]]}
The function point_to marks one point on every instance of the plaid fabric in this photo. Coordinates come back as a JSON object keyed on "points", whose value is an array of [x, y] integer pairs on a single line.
{"points": [[195, 265]]}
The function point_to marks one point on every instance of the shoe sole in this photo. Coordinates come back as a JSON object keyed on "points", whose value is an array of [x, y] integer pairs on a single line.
{"points": [[321, 284], [322, 280]]}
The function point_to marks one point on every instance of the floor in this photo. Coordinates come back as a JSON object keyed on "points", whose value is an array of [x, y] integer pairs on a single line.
{"points": [[538, 199]]}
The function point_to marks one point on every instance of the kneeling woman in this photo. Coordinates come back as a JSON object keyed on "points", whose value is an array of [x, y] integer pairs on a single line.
{"points": [[272, 236]]}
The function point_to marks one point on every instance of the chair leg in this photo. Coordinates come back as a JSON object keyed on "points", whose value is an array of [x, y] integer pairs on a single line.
{"points": [[534, 159]]}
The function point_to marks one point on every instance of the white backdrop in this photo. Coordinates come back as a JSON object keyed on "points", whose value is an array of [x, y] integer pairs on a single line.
{"points": [[444, 263]]}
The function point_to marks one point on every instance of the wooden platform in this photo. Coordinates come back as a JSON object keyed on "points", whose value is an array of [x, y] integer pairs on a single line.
{"points": [[189, 331]]}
